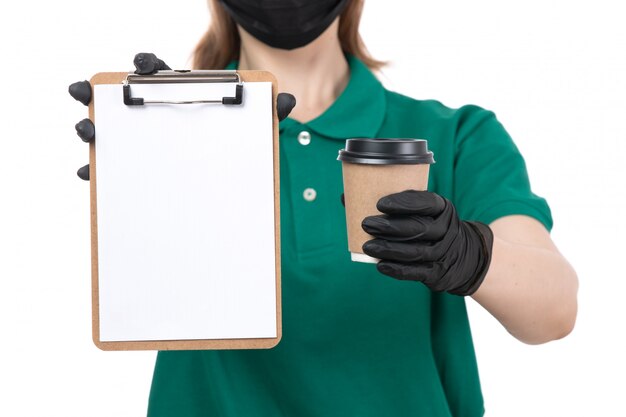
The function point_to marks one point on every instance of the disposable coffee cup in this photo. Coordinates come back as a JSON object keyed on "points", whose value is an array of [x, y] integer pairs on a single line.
{"points": [[374, 168]]}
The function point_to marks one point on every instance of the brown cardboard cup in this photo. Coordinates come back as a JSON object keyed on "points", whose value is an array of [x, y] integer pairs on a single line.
{"points": [[374, 168]]}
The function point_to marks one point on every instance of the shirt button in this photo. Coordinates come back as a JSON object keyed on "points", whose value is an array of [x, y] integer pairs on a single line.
{"points": [[304, 138], [309, 194]]}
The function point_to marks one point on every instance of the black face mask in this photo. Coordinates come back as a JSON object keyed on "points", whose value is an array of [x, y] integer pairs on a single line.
{"points": [[284, 24]]}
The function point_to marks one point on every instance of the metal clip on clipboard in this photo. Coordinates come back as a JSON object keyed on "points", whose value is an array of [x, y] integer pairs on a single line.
{"points": [[184, 76]]}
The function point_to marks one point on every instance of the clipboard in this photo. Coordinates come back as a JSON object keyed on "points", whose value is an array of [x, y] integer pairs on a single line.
{"points": [[240, 83]]}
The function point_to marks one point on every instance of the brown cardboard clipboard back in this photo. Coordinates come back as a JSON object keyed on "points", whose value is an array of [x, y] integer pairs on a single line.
{"points": [[256, 343]]}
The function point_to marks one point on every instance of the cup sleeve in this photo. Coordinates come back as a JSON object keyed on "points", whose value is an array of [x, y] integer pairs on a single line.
{"points": [[490, 175]]}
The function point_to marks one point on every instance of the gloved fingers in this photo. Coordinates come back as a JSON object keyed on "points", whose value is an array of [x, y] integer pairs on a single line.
{"points": [[423, 203], [86, 130], [401, 251], [424, 272], [285, 102], [81, 91], [147, 63], [83, 172], [401, 228]]}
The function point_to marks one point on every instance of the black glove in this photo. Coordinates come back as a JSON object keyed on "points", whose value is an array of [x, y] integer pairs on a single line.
{"points": [[420, 237], [146, 63]]}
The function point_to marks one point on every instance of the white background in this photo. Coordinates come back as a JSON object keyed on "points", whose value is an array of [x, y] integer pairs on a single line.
{"points": [[552, 70]]}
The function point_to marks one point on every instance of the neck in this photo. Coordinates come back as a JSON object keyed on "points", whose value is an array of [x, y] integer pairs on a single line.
{"points": [[315, 74]]}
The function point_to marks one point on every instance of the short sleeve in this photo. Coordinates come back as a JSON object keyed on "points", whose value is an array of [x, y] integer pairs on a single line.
{"points": [[490, 176]]}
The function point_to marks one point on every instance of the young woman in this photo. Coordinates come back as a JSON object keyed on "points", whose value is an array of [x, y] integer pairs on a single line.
{"points": [[356, 341]]}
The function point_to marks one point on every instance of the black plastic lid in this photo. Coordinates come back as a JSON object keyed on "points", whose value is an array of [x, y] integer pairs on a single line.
{"points": [[386, 151]]}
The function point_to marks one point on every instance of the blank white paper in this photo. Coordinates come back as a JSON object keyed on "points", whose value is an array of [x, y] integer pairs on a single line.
{"points": [[185, 204]]}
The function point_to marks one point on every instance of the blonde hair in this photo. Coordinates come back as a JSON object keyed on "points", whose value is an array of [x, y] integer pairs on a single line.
{"points": [[221, 43]]}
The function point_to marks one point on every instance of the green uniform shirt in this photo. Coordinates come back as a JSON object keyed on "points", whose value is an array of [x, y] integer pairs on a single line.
{"points": [[356, 342]]}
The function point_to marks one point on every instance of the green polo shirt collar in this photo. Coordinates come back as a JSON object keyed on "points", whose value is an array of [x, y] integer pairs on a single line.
{"points": [[364, 94]]}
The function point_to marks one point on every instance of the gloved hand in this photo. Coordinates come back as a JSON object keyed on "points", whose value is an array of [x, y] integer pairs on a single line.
{"points": [[146, 63], [420, 237]]}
